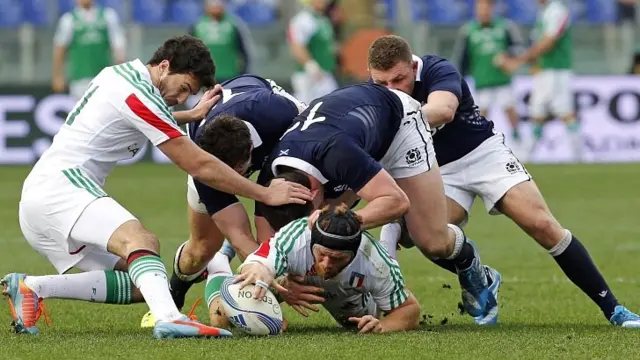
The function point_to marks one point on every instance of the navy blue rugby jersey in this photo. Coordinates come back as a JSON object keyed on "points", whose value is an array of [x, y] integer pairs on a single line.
{"points": [[468, 129], [267, 114], [340, 138]]}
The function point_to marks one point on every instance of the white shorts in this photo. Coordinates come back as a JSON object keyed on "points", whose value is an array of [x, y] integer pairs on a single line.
{"points": [[411, 151], [66, 222], [78, 87], [489, 171], [193, 198], [354, 306], [551, 94], [306, 88], [500, 97]]}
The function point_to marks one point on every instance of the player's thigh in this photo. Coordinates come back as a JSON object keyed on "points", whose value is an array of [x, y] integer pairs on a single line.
{"points": [[50, 208], [98, 224], [203, 231], [491, 170], [411, 161], [562, 104], [541, 93], [459, 198]]}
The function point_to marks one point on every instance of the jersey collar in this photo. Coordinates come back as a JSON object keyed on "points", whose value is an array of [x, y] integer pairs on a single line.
{"points": [[297, 164], [256, 140], [420, 64]]}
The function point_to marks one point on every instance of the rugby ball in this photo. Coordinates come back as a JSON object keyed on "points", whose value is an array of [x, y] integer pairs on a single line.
{"points": [[252, 316]]}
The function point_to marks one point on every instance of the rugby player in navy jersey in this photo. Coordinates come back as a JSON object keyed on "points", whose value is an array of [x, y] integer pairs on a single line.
{"points": [[475, 161], [366, 141], [241, 129]]}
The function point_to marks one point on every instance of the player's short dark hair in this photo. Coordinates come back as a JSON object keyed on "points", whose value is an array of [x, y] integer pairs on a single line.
{"points": [[187, 55], [227, 138], [279, 216], [388, 50]]}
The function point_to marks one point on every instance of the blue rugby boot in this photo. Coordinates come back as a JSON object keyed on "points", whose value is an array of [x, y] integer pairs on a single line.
{"points": [[622, 317]]}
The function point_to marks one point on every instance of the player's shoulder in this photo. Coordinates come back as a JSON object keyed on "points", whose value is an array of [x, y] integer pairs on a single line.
{"points": [[293, 236], [110, 13], [378, 263]]}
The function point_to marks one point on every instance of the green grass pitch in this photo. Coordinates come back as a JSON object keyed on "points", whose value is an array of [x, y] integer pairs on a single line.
{"points": [[542, 315]]}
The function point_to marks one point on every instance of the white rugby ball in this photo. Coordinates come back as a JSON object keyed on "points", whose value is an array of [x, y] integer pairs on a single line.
{"points": [[252, 316]]}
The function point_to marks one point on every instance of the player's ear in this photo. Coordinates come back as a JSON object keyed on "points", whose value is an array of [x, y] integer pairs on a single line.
{"points": [[414, 66], [314, 192]]}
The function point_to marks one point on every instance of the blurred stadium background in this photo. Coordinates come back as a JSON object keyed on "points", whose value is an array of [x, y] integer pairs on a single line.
{"points": [[607, 93]]}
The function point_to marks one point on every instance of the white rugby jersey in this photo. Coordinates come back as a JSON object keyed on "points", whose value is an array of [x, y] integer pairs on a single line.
{"points": [[120, 111], [372, 272]]}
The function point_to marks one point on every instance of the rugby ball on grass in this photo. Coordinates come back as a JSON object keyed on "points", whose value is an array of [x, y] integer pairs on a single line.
{"points": [[252, 316]]}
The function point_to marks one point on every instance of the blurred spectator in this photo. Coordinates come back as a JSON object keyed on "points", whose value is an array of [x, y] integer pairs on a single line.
{"points": [[480, 45], [88, 38], [313, 46], [227, 38], [626, 29]]}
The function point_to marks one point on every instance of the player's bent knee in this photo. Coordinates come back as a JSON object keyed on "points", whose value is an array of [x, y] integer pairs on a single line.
{"points": [[132, 236]]}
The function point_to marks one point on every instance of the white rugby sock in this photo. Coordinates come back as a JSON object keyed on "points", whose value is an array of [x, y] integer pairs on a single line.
{"points": [[218, 269], [149, 274], [389, 237], [111, 287]]}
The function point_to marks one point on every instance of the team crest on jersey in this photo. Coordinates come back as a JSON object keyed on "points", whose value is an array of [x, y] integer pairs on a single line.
{"points": [[414, 157], [356, 280]]}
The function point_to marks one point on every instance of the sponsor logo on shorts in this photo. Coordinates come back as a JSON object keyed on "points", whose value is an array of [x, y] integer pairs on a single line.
{"points": [[513, 167], [414, 157], [133, 149]]}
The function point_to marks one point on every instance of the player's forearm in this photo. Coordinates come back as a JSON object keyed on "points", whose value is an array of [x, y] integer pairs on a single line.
{"points": [[118, 55], [538, 49], [301, 54], [58, 60], [438, 114], [383, 210], [234, 224], [216, 174], [406, 317]]}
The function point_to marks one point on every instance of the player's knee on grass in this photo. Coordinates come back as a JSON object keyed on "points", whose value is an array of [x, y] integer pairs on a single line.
{"points": [[132, 236]]}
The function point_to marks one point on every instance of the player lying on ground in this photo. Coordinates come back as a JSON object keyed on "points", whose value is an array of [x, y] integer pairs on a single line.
{"points": [[241, 130], [476, 162], [360, 281], [370, 142], [66, 216]]}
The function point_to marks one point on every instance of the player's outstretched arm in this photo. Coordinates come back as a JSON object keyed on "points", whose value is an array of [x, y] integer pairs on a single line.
{"points": [[404, 317], [209, 170]]}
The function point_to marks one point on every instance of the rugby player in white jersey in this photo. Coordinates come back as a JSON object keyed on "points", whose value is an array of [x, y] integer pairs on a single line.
{"points": [[66, 216], [360, 280]]}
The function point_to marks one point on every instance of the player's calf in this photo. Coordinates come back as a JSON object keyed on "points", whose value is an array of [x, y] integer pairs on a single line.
{"points": [[526, 207]]}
